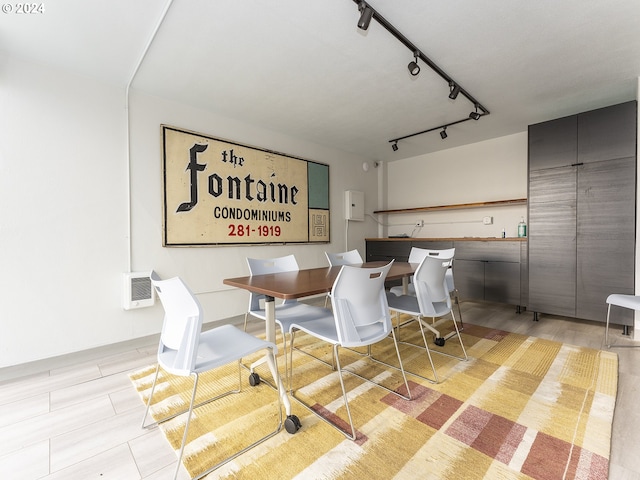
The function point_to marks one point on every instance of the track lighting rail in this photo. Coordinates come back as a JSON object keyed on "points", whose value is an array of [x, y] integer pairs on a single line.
{"points": [[368, 13], [439, 127]]}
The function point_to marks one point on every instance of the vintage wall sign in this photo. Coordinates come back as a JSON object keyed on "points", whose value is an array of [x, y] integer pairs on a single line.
{"points": [[218, 192]]}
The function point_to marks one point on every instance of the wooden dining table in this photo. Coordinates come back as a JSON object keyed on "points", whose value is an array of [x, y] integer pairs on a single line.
{"points": [[301, 284], [309, 282]]}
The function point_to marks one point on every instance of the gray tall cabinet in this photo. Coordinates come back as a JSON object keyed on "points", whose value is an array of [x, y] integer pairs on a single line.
{"points": [[582, 210]]}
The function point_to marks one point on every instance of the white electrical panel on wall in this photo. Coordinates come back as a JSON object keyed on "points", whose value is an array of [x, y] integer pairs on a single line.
{"points": [[354, 205]]}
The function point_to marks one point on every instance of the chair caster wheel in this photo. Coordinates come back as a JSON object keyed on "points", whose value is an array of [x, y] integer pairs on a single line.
{"points": [[254, 379], [292, 424], [439, 341]]}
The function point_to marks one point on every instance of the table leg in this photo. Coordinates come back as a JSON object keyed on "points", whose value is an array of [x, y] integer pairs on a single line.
{"points": [[405, 285], [270, 310]]}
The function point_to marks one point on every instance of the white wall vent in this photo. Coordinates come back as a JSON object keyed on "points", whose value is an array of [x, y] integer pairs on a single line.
{"points": [[138, 291]]}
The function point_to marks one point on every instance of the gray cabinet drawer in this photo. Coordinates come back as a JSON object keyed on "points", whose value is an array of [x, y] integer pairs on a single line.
{"points": [[388, 250], [488, 251]]}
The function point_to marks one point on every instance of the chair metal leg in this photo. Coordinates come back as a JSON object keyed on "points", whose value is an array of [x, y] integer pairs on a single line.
{"points": [[455, 324], [352, 435], [344, 396], [452, 334], [186, 426], [398, 324], [333, 360], [456, 300], [373, 359], [273, 367], [404, 375], [606, 328], [153, 387], [424, 338], [177, 414], [340, 371], [426, 346], [431, 328]]}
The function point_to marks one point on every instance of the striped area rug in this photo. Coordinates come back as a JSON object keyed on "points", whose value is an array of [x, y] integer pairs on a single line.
{"points": [[520, 408]]}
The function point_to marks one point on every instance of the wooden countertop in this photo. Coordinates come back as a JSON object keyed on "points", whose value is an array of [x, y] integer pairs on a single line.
{"points": [[459, 239]]}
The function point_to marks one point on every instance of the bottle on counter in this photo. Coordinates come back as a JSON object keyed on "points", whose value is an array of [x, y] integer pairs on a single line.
{"points": [[504, 233], [522, 228]]}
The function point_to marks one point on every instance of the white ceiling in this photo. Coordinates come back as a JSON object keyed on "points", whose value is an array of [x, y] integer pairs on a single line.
{"points": [[304, 69]]}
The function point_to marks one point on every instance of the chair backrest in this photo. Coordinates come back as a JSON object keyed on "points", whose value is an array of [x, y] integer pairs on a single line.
{"points": [[182, 323], [265, 266], [417, 254], [351, 257], [431, 286], [360, 305]]}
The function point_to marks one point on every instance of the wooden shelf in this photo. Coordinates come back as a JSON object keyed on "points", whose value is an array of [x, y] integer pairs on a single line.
{"points": [[496, 203]]}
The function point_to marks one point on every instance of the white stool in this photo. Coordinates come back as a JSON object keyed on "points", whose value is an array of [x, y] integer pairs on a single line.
{"points": [[631, 302]]}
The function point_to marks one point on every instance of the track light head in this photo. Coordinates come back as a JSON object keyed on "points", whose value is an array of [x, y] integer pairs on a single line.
{"points": [[454, 90], [475, 115], [394, 146], [366, 13], [443, 133], [414, 68]]}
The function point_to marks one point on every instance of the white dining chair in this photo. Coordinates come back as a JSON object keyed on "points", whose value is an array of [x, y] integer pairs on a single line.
{"points": [[360, 317], [631, 302], [352, 257], [416, 255], [432, 300], [185, 350], [288, 312]]}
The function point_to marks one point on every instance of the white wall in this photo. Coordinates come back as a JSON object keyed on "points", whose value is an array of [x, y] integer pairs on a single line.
{"points": [[64, 215], [62, 219], [486, 171]]}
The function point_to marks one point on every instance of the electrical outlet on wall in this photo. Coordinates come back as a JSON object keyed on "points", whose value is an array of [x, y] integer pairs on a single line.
{"points": [[487, 220]]}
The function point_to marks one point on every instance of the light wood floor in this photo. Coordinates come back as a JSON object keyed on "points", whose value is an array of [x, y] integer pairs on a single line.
{"points": [[78, 417]]}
